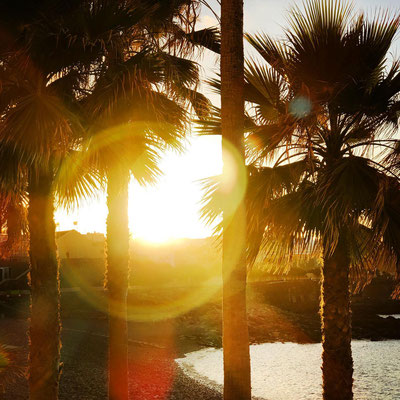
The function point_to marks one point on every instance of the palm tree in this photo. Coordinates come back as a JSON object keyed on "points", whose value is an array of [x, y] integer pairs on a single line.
{"points": [[131, 146], [237, 383], [135, 110], [44, 66], [37, 109], [326, 96]]}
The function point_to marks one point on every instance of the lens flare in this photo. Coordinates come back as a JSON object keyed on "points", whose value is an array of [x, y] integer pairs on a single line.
{"points": [[234, 178], [300, 107], [152, 367], [145, 303]]}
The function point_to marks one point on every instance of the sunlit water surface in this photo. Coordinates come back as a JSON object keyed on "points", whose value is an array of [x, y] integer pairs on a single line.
{"points": [[291, 371], [395, 316]]}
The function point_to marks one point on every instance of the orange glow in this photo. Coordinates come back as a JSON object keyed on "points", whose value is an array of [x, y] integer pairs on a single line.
{"points": [[152, 368], [4, 360]]}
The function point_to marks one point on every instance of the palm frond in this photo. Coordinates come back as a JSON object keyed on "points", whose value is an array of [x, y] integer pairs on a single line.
{"points": [[275, 53], [208, 38], [76, 179]]}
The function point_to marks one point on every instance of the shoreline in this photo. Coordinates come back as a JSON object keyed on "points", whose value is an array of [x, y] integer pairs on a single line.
{"points": [[84, 354], [154, 345]]}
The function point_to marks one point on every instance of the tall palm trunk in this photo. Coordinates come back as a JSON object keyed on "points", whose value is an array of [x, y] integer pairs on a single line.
{"points": [[117, 281], [337, 362], [45, 324], [237, 384]]}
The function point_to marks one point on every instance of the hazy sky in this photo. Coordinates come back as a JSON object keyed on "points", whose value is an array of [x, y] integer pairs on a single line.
{"points": [[170, 209]]}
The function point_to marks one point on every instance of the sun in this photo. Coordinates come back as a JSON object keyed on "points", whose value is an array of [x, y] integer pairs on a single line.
{"points": [[166, 211]]}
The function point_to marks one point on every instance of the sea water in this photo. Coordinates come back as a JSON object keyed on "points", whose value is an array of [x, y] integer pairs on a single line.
{"points": [[291, 371]]}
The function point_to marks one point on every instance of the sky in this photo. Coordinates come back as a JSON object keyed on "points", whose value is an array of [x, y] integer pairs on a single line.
{"points": [[170, 209]]}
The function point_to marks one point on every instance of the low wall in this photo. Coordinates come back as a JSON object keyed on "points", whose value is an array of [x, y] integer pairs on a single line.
{"points": [[300, 295]]}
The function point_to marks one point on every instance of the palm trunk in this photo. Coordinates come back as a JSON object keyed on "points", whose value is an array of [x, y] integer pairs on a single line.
{"points": [[117, 282], [337, 362], [237, 384], [45, 324]]}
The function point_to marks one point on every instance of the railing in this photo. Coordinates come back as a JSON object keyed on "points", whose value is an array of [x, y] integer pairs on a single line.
{"points": [[14, 279]]}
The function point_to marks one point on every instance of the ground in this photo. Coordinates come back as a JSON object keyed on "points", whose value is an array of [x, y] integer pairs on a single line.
{"points": [[154, 345]]}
